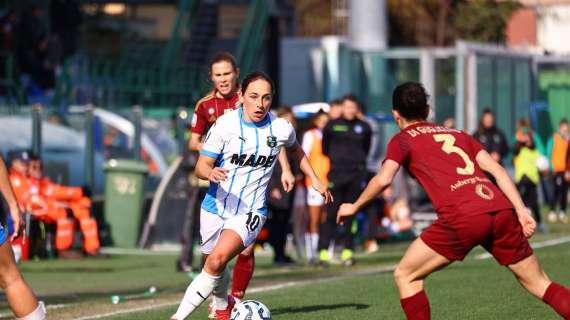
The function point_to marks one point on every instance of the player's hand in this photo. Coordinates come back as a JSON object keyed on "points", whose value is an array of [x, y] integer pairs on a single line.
{"points": [[275, 194], [287, 180], [528, 224], [345, 210], [320, 188], [218, 175], [17, 221]]}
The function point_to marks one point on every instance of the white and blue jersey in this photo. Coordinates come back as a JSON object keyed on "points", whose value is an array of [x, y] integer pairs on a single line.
{"points": [[248, 150]]}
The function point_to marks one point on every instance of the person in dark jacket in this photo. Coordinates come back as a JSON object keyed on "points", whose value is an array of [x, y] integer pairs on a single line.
{"points": [[346, 141], [491, 137]]}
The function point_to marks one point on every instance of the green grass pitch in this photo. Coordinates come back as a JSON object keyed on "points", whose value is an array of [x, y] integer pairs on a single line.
{"points": [[473, 289]]}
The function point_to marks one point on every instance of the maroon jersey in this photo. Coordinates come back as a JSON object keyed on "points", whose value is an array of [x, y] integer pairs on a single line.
{"points": [[209, 109], [443, 162]]}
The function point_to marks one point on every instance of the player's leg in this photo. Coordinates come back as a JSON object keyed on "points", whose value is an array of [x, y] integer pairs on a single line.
{"points": [[418, 262], [211, 226], [243, 271], [20, 297], [562, 217], [228, 246], [532, 277], [351, 191], [327, 229], [316, 212], [556, 195], [512, 249]]}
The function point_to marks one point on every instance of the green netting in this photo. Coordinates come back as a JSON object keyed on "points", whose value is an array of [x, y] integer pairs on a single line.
{"points": [[444, 89], [485, 84], [554, 87], [504, 85], [373, 78]]}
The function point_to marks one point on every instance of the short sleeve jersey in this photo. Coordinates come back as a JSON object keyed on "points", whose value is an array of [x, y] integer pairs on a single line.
{"points": [[248, 151], [209, 109], [443, 162]]}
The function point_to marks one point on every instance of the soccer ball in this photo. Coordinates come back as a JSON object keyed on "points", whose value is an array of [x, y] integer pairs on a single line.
{"points": [[250, 310], [542, 164]]}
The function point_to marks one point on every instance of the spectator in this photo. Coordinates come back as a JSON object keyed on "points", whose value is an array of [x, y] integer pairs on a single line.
{"points": [[346, 141], [280, 202], [51, 201], [313, 147], [491, 137], [335, 110], [397, 212], [449, 123], [557, 151], [527, 175]]}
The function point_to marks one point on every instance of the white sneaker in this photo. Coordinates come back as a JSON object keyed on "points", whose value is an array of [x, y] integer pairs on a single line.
{"points": [[552, 217], [562, 217]]}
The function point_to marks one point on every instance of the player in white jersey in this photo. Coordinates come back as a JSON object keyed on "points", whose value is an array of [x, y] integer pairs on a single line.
{"points": [[238, 157]]}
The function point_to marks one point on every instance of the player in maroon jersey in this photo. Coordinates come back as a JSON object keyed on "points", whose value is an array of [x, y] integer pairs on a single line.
{"points": [[471, 210], [224, 75]]}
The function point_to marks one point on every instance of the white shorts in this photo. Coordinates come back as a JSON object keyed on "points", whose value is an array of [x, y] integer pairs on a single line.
{"points": [[314, 198], [247, 226]]}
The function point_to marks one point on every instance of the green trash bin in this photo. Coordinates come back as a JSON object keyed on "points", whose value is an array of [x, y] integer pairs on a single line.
{"points": [[124, 199]]}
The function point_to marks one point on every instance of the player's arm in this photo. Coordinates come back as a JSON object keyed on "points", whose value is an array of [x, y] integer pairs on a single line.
{"points": [[195, 142], [206, 170], [209, 153], [10, 197], [199, 122], [287, 176], [300, 157], [375, 187], [487, 163]]}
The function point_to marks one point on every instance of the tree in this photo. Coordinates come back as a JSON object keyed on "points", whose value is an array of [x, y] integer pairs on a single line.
{"points": [[441, 22]]}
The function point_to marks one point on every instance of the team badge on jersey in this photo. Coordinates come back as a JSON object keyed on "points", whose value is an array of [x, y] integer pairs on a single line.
{"points": [[358, 129], [272, 141]]}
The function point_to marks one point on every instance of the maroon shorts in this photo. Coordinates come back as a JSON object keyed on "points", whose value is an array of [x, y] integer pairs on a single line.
{"points": [[499, 232]]}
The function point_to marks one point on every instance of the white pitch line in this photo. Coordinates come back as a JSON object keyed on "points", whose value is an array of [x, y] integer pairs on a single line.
{"points": [[138, 252], [252, 290], [537, 245]]}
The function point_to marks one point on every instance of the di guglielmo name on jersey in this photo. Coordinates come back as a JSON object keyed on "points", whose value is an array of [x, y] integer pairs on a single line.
{"points": [[250, 160]]}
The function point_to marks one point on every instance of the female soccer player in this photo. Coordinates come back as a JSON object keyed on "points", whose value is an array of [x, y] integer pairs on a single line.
{"points": [[20, 297], [472, 211], [224, 98], [238, 157]]}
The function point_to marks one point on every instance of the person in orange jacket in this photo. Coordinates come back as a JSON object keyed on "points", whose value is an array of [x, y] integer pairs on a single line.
{"points": [[51, 200], [18, 175]]}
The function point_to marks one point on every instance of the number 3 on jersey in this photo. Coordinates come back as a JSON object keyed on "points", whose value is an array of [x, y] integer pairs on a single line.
{"points": [[449, 147]]}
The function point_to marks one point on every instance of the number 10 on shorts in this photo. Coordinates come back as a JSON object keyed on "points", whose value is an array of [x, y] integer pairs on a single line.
{"points": [[252, 222]]}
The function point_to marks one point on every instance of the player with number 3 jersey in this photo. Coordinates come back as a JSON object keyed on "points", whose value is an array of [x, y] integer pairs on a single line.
{"points": [[471, 210], [238, 157]]}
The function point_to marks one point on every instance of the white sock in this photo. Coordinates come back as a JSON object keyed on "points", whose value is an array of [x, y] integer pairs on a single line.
{"points": [[220, 292], [197, 292], [308, 247], [38, 314], [314, 243]]}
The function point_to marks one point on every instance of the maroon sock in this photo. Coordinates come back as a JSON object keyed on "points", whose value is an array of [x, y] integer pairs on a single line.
{"points": [[416, 307], [558, 297], [243, 271]]}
